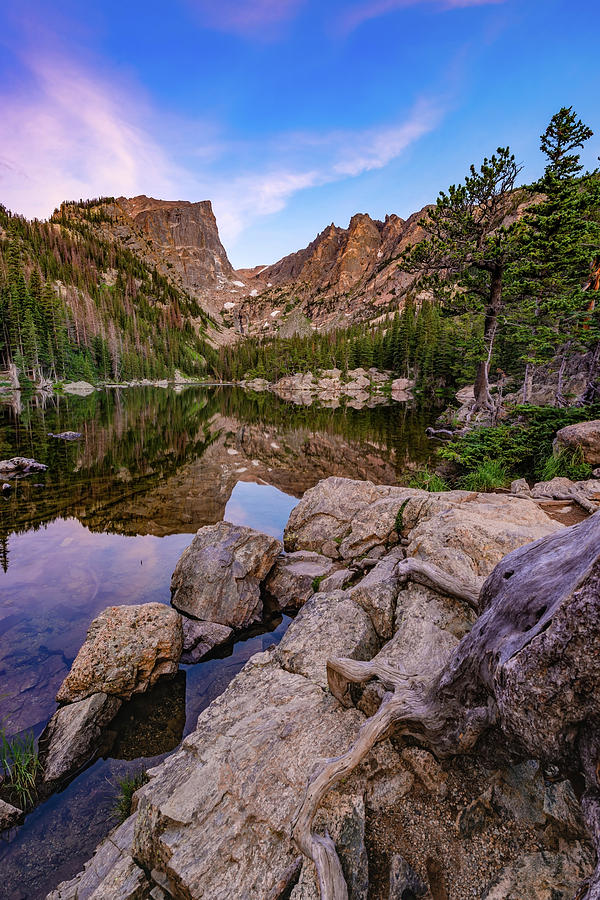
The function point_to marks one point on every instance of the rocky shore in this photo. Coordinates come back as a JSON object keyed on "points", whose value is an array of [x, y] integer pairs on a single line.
{"points": [[215, 819], [359, 387]]}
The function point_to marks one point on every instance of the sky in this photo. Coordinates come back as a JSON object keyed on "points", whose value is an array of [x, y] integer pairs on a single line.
{"points": [[286, 114]]}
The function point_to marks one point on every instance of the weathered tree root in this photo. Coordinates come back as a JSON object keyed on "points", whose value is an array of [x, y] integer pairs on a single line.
{"points": [[529, 669], [429, 575]]}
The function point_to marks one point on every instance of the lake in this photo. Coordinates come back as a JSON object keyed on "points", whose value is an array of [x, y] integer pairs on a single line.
{"points": [[106, 524]]}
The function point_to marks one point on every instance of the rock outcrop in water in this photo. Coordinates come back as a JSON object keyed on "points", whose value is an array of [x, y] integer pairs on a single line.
{"points": [[127, 649], [217, 578], [216, 818]]}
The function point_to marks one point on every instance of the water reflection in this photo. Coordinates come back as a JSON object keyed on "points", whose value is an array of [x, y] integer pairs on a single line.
{"points": [[106, 524]]}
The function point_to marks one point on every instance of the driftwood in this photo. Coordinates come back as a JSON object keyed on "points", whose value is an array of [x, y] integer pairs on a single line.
{"points": [[527, 677]]}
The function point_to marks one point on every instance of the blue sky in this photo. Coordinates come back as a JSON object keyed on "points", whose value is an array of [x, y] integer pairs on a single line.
{"points": [[287, 114]]}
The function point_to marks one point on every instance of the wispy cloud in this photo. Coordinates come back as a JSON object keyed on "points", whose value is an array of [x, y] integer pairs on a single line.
{"points": [[373, 9], [68, 135], [73, 134], [246, 17]]}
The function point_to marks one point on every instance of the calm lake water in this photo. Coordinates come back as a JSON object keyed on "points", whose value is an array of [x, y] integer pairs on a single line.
{"points": [[105, 526]]}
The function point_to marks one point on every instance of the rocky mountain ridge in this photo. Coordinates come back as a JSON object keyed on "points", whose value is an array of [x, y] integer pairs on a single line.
{"points": [[343, 275]]}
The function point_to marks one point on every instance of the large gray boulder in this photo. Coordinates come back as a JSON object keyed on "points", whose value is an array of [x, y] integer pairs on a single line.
{"points": [[217, 578], [583, 437], [215, 818], [358, 515], [327, 625], [74, 735], [126, 651]]}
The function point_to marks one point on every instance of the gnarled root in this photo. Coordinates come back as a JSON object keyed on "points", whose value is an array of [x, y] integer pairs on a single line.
{"points": [[431, 576], [529, 667], [322, 849]]}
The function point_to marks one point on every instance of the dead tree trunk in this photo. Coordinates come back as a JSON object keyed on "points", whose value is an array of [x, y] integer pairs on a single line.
{"points": [[527, 674]]}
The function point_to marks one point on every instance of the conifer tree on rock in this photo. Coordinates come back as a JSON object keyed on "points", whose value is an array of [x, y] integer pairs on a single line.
{"points": [[469, 247]]}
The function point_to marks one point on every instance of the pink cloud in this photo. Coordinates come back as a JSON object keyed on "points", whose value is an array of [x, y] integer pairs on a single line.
{"points": [[372, 9], [68, 135], [246, 16]]}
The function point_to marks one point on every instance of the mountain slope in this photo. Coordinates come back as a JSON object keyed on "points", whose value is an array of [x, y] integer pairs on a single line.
{"points": [[76, 304], [178, 238]]}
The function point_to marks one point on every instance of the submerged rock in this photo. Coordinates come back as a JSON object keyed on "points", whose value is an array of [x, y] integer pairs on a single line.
{"points": [[9, 815], [126, 650], [75, 734], [217, 578], [111, 872], [199, 638]]}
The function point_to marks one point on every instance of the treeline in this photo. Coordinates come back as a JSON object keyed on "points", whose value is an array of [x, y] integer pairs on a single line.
{"points": [[75, 306], [417, 342]]}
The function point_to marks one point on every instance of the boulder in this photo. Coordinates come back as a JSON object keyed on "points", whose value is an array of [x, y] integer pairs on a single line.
{"points": [[402, 385], [327, 625], [542, 876], [126, 650], [556, 487], [292, 579], [9, 815], [583, 436], [217, 578], [345, 511], [215, 818], [80, 388], [19, 466], [74, 735], [337, 581], [199, 638]]}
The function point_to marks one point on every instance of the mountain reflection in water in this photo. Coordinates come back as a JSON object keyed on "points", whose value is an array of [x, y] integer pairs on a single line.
{"points": [[105, 525]]}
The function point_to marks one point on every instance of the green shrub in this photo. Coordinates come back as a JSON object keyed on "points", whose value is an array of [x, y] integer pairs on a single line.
{"points": [[428, 481], [488, 476], [566, 464], [127, 788], [521, 448]]}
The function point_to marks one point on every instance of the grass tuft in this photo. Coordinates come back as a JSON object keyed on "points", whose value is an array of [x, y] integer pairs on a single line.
{"points": [[428, 481], [488, 476], [20, 765], [566, 464], [128, 785]]}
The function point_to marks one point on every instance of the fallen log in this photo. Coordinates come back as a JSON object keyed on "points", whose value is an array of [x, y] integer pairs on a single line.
{"points": [[525, 680]]}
